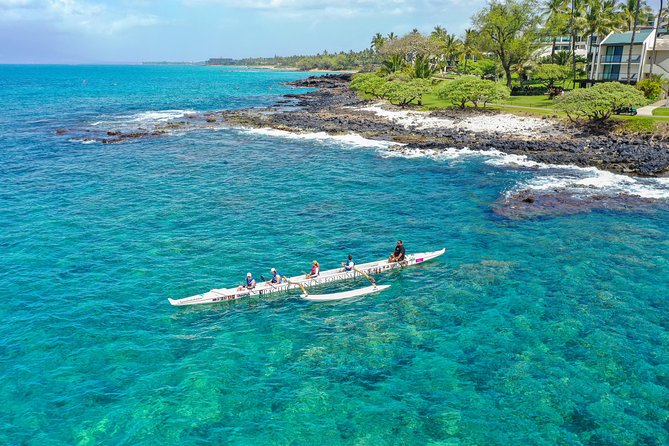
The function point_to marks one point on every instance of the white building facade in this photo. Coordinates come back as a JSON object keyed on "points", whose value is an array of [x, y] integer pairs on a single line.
{"points": [[613, 56]]}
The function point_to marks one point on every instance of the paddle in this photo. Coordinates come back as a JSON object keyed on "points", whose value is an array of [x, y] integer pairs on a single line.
{"points": [[290, 282], [370, 278]]}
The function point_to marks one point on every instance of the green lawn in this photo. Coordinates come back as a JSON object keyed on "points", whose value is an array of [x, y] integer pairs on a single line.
{"points": [[662, 111], [530, 101]]}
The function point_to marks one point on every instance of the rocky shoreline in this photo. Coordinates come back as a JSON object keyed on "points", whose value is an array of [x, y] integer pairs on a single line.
{"points": [[333, 108], [578, 169]]}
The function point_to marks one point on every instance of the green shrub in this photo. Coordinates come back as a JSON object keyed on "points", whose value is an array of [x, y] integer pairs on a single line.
{"points": [[422, 68], [367, 83], [651, 89], [550, 73], [472, 89], [599, 102], [403, 93], [483, 67]]}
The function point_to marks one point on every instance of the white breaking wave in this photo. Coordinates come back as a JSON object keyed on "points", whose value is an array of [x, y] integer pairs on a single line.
{"points": [[160, 115], [550, 177], [590, 179], [84, 141], [145, 117], [570, 178], [350, 139], [502, 123]]}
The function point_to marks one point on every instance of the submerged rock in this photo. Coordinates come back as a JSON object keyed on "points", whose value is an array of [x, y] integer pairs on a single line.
{"points": [[528, 203]]}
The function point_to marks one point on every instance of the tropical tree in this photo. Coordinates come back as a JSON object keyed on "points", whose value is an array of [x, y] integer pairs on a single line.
{"points": [[549, 74], [403, 93], [468, 46], [562, 58], [452, 48], [508, 29], [599, 102], [557, 20], [629, 9], [377, 41], [660, 13], [410, 46], [422, 68], [636, 6], [599, 19], [439, 33], [395, 62], [391, 36], [367, 83], [472, 89]]}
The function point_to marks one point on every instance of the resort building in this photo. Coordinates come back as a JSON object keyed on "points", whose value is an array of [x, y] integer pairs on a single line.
{"points": [[562, 43], [613, 55]]}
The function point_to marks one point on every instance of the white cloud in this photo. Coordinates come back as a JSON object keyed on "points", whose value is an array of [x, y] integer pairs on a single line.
{"points": [[341, 8], [74, 15]]}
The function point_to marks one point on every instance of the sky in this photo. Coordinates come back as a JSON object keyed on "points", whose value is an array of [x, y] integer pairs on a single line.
{"points": [[127, 31]]}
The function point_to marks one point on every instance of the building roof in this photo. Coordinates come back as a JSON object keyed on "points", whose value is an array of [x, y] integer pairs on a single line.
{"points": [[626, 37]]}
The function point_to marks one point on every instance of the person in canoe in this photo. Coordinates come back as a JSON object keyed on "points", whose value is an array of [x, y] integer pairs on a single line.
{"points": [[315, 270], [276, 277], [399, 253], [250, 283], [349, 264]]}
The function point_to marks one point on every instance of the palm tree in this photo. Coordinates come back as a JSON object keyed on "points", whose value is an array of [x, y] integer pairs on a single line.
{"points": [[576, 12], [555, 12], [452, 48], [630, 8], [377, 41], [393, 63], [468, 46], [439, 33], [391, 36], [655, 30], [635, 20], [422, 68], [599, 19]]}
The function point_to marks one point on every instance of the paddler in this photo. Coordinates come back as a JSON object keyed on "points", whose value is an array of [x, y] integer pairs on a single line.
{"points": [[398, 254], [315, 270], [250, 283], [348, 264], [276, 277]]}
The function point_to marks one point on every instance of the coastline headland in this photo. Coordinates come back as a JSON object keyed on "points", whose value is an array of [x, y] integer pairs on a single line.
{"points": [[596, 170], [333, 108]]}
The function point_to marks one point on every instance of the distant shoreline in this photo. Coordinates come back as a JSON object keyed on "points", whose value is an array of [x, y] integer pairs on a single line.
{"points": [[275, 68]]}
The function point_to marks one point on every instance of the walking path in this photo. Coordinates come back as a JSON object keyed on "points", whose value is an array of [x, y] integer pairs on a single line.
{"points": [[648, 109]]}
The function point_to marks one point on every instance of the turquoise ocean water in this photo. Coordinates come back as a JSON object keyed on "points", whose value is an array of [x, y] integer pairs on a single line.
{"points": [[527, 332]]}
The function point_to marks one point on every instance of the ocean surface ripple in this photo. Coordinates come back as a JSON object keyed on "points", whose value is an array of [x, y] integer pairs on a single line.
{"points": [[534, 331]]}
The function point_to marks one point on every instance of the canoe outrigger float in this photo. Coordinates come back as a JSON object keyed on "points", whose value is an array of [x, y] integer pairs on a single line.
{"points": [[301, 282]]}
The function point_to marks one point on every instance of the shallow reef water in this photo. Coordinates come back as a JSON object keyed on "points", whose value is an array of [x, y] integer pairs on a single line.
{"points": [[528, 331]]}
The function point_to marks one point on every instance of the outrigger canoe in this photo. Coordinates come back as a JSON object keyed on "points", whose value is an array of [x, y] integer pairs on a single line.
{"points": [[329, 276]]}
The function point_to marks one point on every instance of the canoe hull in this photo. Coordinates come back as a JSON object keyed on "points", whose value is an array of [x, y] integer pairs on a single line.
{"points": [[346, 294], [329, 276]]}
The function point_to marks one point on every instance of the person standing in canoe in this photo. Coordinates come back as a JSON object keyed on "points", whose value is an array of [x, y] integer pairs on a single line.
{"points": [[250, 283], [276, 277], [398, 254], [315, 270], [349, 264]]}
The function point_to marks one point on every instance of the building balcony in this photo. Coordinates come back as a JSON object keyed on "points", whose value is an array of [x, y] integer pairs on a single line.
{"points": [[622, 77], [620, 59]]}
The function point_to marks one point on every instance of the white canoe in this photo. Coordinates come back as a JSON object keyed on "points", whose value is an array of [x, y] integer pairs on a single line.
{"points": [[344, 294], [329, 276]]}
